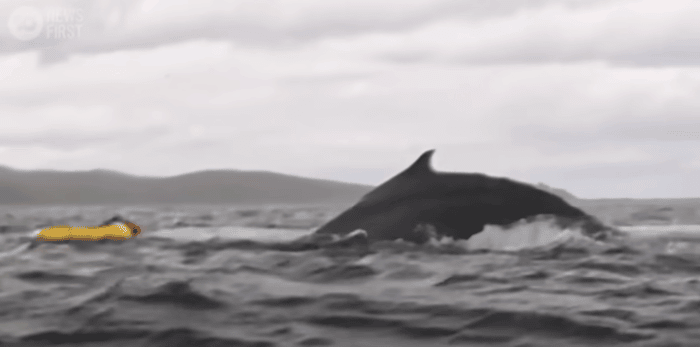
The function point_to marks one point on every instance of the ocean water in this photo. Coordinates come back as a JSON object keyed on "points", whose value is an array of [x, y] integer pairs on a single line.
{"points": [[533, 285]]}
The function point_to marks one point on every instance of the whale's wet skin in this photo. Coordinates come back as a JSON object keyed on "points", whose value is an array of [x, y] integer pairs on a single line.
{"points": [[419, 204], [533, 285]]}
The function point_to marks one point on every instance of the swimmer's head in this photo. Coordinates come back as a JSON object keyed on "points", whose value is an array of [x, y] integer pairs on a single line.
{"points": [[135, 229]]}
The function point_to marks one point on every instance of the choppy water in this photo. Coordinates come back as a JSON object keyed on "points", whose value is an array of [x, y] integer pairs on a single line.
{"points": [[239, 286]]}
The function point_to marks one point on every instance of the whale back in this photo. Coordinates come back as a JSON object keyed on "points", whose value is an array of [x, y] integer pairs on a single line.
{"points": [[456, 204], [409, 182]]}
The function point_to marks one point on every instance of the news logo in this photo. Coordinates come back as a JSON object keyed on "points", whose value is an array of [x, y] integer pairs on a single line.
{"points": [[59, 23]]}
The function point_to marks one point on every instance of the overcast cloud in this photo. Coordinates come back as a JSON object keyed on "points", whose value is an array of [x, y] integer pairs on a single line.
{"points": [[601, 98]]}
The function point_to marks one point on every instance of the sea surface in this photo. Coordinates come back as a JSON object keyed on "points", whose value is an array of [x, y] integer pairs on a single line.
{"points": [[210, 284]]}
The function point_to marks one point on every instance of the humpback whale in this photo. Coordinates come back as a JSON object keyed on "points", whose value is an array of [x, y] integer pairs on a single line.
{"points": [[420, 203]]}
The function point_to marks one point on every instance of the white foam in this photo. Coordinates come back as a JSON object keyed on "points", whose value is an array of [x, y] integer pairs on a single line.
{"points": [[521, 235], [17, 250], [230, 233], [518, 236], [688, 230], [357, 232]]}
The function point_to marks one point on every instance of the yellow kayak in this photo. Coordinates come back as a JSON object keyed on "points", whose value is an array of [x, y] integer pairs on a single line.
{"points": [[117, 231]]}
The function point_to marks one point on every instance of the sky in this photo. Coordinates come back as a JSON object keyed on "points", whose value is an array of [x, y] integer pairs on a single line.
{"points": [[601, 98]]}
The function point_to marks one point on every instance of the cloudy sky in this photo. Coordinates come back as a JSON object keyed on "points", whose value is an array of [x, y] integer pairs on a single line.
{"points": [[601, 98]]}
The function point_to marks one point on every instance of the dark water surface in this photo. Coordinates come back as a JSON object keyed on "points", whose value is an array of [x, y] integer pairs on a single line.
{"points": [[241, 286]]}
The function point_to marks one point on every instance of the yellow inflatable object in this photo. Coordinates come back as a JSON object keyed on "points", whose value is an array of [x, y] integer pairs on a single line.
{"points": [[118, 231]]}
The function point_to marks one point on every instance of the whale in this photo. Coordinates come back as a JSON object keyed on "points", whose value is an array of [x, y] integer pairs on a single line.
{"points": [[419, 204]]}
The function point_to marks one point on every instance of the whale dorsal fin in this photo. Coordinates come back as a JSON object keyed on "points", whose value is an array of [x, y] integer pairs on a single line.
{"points": [[421, 165]]}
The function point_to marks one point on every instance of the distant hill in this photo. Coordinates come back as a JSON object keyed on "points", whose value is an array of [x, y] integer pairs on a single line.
{"points": [[103, 187], [211, 187]]}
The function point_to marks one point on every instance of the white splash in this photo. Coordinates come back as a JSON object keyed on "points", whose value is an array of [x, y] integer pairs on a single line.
{"points": [[540, 232], [230, 233], [677, 230]]}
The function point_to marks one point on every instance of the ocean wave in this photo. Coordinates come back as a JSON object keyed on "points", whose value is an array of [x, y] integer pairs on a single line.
{"points": [[532, 283]]}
